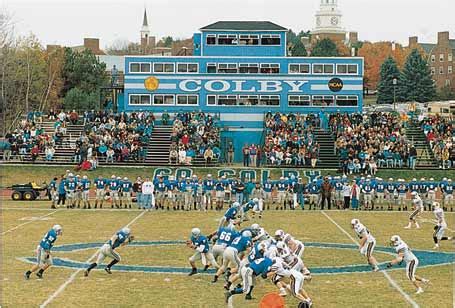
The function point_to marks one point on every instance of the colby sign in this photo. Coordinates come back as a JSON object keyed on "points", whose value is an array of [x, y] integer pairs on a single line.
{"points": [[246, 86]]}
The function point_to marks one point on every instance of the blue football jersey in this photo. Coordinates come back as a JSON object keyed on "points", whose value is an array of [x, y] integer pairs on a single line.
{"points": [[231, 213], [121, 238], [226, 236], [255, 253], [100, 183], [201, 241], [48, 240], [241, 243], [261, 266]]}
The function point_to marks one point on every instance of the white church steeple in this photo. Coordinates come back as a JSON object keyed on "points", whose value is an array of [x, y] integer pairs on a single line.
{"points": [[328, 18], [145, 31]]}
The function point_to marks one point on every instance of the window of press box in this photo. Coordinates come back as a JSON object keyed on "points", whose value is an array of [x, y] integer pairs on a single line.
{"points": [[227, 68], [227, 100], [227, 39], [163, 67], [187, 100], [211, 39], [137, 99], [270, 39], [299, 68], [211, 68], [248, 100], [140, 68], [346, 100], [251, 39], [322, 68], [299, 100], [270, 68], [163, 99], [187, 68], [248, 68], [211, 99], [326, 100], [269, 100]]}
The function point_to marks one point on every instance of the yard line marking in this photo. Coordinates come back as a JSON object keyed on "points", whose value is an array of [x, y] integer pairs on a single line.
{"points": [[71, 278], [28, 222], [386, 275]]}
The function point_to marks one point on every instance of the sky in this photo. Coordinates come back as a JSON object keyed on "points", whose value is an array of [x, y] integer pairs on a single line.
{"points": [[67, 22]]}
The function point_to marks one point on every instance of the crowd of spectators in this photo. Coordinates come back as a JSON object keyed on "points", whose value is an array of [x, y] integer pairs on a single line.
{"points": [[194, 134], [439, 134], [289, 139], [368, 142]]}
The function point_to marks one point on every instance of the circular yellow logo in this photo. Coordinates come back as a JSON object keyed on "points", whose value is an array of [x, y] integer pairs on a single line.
{"points": [[151, 83]]}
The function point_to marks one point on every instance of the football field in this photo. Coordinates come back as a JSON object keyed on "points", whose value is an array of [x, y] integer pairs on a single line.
{"points": [[153, 270]]}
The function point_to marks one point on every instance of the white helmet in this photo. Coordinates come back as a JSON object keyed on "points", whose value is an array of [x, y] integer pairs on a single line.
{"points": [[395, 240], [279, 234], [255, 226], [256, 200], [235, 204], [58, 229], [287, 238], [280, 245], [195, 232], [126, 230], [247, 233], [414, 193], [355, 221], [125, 178], [84, 177], [113, 177], [436, 205]]}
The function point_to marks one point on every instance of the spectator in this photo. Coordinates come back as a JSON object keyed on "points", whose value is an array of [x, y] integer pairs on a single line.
{"points": [[110, 155], [208, 156], [74, 117], [246, 156], [148, 199], [355, 194], [230, 153], [347, 195], [35, 152], [173, 156], [165, 118], [326, 192], [49, 152]]}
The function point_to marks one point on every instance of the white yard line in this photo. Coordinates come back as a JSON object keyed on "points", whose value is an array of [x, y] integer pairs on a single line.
{"points": [[28, 222], [71, 278], [386, 275]]}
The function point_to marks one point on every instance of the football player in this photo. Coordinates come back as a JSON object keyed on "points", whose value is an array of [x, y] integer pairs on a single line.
{"points": [[405, 254], [100, 185], [418, 208], [230, 215], [202, 252], [120, 238], [127, 186], [85, 183], [441, 226], [367, 242], [43, 252]]}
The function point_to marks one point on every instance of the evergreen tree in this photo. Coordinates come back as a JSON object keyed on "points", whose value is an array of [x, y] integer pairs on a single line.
{"points": [[415, 81], [325, 48], [389, 70], [298, 49]]}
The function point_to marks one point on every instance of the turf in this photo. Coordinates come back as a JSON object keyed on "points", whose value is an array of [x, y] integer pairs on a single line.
{"points": [[140, 289]]}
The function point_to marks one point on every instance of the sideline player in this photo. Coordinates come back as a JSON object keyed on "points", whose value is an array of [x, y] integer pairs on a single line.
{"points": [[367, 242], [441, 226], [202, 251], [405, 254], [418, 208], [121, 238], [43, 252]]}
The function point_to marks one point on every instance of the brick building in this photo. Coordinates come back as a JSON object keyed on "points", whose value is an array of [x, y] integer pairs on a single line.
{"points": [[440, 57]]}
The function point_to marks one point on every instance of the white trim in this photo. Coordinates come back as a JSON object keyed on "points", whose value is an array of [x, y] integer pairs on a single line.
{"points": [[242, 57], [140, 63], [139, 94], [163, 95], [242, 117], [161, 86], [356, 87], [242, 76]]}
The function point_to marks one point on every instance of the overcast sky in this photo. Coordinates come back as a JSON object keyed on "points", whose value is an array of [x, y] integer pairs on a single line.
{"points": [[67, 22]]}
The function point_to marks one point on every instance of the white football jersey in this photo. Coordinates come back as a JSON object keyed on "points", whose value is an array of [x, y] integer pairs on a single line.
{"points": [[262, 235], [418, 203], [439, 214], [362, 232], [272, 252], [404, 248], [280, 268]]}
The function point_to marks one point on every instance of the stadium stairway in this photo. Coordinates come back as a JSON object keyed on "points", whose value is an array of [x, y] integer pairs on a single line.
{"points": [[327, 157], [159, 145], [425, 156]]}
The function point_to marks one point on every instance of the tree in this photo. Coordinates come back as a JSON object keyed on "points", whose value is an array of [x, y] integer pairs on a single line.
{"points": [[389, 71], [298, 50], [415, 81], [325, 48], [446, 93], [79, 100]]}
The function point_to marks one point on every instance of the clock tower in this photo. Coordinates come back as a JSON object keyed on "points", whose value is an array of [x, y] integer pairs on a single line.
{"points": [[328, 22]]}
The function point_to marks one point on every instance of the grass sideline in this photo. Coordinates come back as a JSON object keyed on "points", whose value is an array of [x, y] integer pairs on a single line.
{"points": [[172, 290], [23, 174]]}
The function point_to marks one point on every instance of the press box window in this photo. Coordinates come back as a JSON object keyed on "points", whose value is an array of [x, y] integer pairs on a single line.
{"points": [[299, 68], [187, 99], [248, 68], [248, 100], [211, 39], [249, 39], [270, 39], [211, 99], [227, 39], [346, 100], [227, 68], [346, 69], [211, 68], [273, 68], [139, 99], [163, 67], [299, 100], [139, 67], [323, 68], [163, 99], [227, 100], [187, 68], [320, 100], [269, 100]]}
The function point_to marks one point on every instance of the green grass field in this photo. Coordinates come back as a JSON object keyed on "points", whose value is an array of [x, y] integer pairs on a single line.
{"points": [[146, 289]]}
